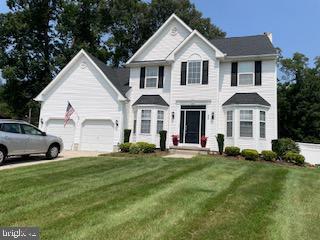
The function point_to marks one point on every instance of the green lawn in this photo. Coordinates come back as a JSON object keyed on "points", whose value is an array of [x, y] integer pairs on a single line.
{"points": [[157, 198]]}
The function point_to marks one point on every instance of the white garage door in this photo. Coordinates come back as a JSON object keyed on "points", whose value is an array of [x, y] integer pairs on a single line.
{"points": [[97, 135], [56, 127]]}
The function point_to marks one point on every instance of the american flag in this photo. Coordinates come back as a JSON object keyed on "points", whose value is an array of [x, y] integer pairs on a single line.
{"points": [[69, 112]]}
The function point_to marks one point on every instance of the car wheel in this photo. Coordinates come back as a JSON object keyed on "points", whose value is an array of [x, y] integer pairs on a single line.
{"points": [[2, 155], [53, 152]]}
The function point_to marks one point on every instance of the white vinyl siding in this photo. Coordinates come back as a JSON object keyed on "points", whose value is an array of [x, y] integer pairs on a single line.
{"points": [[229, 123], [246, 123], [160, 119], [262, 124], [194, 72], [151, 77], [145, 121], [245, 73]]}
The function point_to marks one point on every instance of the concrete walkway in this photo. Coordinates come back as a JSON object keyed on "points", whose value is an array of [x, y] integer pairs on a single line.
{"points": [[180, 155], [15, 162]]}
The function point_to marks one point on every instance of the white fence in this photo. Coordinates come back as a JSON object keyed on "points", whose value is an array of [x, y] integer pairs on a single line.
{"points": [[311, 152]]}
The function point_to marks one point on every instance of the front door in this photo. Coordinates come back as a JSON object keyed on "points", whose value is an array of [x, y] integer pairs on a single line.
{"points": [[192, 127]]}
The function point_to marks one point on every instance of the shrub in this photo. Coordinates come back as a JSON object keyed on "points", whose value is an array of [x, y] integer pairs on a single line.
{"points": [[283, 145], [269, 155], [146, 147], [220, 140], [163, 140], [125, 147], [126, 135], [250, 154], [294, 158], [232, 151], [134, 149]]}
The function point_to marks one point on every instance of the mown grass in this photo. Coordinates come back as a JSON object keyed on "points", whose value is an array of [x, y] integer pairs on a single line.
{"points": [[158, 198]]}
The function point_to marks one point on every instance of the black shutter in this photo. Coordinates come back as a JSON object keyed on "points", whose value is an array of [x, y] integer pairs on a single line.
{"points": [[142, 76], [161, 71], [183, 73], [234, 74], [181, 126], [205, 72], [257, 70]]}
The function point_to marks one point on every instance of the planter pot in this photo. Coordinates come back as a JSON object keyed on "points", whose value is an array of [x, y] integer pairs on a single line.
{"points": [[175, 142], [203, 144]]}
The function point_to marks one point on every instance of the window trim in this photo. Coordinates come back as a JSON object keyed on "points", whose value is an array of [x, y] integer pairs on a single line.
{"points": [[143, 119], [201, 66], [134, 127], [252, 123], [265, 124], [231, 124], [146, 77], [242, 73], [160, 120]]}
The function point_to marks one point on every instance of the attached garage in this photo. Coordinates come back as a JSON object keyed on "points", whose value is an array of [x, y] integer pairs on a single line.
{"points": [[97, 135], [56, 127]]}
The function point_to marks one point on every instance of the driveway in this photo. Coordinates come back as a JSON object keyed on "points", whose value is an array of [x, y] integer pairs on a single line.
{"points": [[14, 162]]}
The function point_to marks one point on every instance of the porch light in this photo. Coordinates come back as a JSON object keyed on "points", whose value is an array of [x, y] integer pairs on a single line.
{"points": [[117, 123], [212, 116], [172, 115]]}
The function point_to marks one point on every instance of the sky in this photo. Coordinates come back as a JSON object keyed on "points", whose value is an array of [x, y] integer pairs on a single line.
{"points": [[293, 23]]}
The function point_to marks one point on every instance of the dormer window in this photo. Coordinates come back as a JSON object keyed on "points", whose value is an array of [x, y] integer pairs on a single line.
{"points": [[194, 72], [246, 73], [151, 77]]}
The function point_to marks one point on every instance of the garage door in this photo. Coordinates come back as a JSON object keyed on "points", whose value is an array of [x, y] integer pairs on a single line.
{"points": [[97, 135], [56, 127]]}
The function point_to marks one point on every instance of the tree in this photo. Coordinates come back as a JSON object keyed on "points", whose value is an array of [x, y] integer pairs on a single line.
{"points": [[299, 99]]}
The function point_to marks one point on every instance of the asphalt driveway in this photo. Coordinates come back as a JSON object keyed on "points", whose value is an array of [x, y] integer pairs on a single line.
{"points": [[14, 162]]}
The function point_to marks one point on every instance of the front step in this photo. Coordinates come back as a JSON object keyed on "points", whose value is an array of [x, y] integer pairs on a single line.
{"points": [[189, 150]]}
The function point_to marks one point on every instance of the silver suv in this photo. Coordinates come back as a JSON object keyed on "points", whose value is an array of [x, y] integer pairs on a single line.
{"points": [[21, 138]]}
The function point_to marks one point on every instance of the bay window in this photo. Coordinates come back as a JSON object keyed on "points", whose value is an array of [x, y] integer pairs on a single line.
{"points": [[151, 77], [262, 124], [160, 118], [145, 121], [246, 123], [229, 123]]}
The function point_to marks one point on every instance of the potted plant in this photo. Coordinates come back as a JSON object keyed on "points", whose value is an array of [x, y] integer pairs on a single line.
{"points": [[175, 140], [204, 141]]}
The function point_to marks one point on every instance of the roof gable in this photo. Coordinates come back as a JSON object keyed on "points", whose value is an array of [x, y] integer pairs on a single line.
{"points": [[246, 99], [110, 75], [163, 41], [151, 100]]}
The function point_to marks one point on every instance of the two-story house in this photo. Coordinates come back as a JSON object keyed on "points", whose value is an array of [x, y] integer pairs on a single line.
{"points": [[177, 81]]}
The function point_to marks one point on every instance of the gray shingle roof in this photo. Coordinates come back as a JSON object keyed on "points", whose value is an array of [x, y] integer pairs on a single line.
{"points": [[118, 76], [244, 46], [151, 100], [246, 98]]}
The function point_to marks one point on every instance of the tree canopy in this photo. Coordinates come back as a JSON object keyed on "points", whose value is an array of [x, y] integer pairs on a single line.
{"points": [[38, 38]]}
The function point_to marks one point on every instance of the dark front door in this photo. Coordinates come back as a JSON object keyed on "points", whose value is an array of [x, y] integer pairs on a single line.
{"points": [[192, 126]]}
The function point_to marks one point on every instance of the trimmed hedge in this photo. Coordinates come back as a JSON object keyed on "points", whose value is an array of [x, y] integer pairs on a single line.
{"points": [[134, 149], [125, 147], [294, 158], [232, 151], [283, 145], [250, 154], [163, 139], [269, 155], [126, 135], [142, 147]]}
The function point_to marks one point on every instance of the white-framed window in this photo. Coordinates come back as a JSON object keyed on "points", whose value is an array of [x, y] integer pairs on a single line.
{"points": [[229, 123], [246, 123], [194, 72], [245, 73], [262, 124], [135, 122], [145, 121], [151, 77], [160, 119]]}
